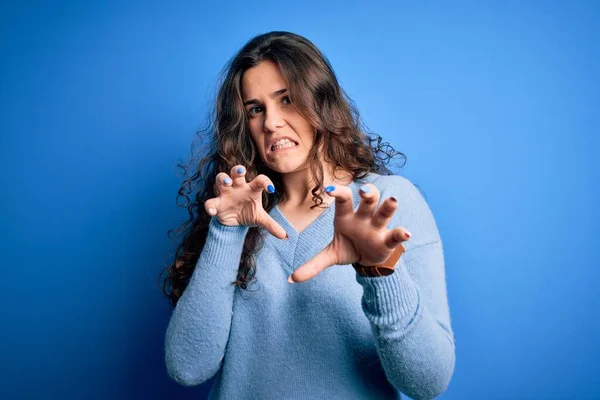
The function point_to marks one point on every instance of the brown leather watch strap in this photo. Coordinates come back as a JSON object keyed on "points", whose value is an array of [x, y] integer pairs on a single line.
{"points": [[384, 269]]}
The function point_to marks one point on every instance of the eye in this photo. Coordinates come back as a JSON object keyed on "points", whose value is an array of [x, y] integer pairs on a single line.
{"points": [[283, 100], [254, 110]]}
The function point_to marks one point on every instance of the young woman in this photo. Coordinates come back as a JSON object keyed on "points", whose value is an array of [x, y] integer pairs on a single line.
{"points": [[288, 283]]}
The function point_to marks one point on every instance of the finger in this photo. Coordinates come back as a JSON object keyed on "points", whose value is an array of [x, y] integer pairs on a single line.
{"points": [[211, 206], [272, 226], [262, 182], [384, 213], [343, 199], [395, 237], [223, 183], [369, 198], [312, 268], [238, 173]]}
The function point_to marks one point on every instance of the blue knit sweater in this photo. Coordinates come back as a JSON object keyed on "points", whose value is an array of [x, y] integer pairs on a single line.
{"points": [[336, 336]]}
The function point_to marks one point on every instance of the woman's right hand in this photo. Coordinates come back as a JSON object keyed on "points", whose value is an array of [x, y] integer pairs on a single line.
{"points": [[240, 202]]}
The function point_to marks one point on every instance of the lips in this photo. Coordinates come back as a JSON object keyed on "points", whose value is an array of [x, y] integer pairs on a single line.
{"points": [[275, 141]]}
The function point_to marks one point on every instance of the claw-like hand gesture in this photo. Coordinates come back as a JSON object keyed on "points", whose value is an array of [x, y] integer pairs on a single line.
{"points": [[358, 237], [240, 202]]}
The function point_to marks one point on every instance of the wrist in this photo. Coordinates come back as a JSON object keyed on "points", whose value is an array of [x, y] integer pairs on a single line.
{"points": [[384, 269]]}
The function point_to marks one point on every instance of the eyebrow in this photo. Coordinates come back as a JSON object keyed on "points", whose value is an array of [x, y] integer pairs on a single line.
{"points": [[272, 95]]}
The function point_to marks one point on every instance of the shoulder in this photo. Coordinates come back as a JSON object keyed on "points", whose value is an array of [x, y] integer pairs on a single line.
{"points": [[393, 185], [413, 212]]}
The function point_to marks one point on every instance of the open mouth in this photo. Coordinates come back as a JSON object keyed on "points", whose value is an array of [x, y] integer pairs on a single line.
{"points": [[284, 146]]}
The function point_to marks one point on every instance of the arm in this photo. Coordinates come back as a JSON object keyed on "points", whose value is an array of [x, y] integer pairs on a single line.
{"points": [[199, 327], [408, 310]]}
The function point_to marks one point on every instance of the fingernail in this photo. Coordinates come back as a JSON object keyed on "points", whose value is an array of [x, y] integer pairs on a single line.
{"points": [[240, 170], [365, 189], [408, 234], [211, 211], [271, 189], [227, 181], [330, 189], [290, 279], [393, 199]]}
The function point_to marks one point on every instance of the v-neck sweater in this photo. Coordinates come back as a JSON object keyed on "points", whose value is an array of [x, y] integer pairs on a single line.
{"points": [[337, 336]]}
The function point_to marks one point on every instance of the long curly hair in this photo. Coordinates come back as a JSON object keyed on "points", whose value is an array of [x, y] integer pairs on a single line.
{"points": [[318, 97]]}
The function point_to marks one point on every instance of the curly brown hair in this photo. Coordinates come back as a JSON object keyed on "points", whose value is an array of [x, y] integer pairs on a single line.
{"points": [[318, 96]]}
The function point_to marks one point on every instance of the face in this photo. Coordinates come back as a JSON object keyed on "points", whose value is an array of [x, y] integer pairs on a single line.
{"points": [[271, 116]]}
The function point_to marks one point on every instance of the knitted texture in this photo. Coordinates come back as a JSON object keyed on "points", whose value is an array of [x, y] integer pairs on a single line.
{"points": [[337, 336]]}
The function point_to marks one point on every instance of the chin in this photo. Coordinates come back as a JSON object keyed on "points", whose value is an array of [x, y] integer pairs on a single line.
{"points": [[285, 166]]}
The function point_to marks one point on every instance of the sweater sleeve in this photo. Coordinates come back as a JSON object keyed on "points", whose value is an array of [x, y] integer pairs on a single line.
{"points": [[408, 310], [198, 330]]}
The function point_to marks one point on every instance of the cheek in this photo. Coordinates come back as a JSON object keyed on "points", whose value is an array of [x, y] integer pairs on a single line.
{"points": [[300, 124], [255, 126], [306, 132], [257, 138]]}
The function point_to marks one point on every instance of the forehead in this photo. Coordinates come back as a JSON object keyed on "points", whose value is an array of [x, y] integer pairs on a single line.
{"points": [[261, 80]]}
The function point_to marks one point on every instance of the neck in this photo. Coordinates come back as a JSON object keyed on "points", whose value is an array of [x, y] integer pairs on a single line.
{"points": [[297, 185]]}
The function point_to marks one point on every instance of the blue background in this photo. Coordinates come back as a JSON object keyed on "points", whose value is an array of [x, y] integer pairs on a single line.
{"points": [[496, 105]]}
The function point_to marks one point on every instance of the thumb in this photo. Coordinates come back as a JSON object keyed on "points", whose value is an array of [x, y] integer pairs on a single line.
{"points": [[272, 226], [325, 259]]}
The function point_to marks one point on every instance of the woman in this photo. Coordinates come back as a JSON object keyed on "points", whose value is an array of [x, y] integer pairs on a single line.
{"points": [[293, 187]]}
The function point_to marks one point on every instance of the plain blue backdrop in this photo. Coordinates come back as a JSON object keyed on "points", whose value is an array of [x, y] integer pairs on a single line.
{"points": [[495, 104]]}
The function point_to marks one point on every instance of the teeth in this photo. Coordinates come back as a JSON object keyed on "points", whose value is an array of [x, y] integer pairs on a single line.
{"points": [[282, 143]]}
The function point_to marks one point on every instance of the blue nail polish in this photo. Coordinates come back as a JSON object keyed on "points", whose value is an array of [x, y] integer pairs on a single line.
{"points": [[227, 181], [240, 170], [365, 189], [270, 189], [330, 189]]}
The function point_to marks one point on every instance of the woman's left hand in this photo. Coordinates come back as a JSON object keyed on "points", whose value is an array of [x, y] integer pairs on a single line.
{"points": [[358, 237]]}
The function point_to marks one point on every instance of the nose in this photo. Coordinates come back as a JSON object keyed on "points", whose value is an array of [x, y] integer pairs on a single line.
{"points": [[273, 120]]}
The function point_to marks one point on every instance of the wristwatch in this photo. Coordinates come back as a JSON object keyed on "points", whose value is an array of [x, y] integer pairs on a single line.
{"points": [[384, 269]]}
